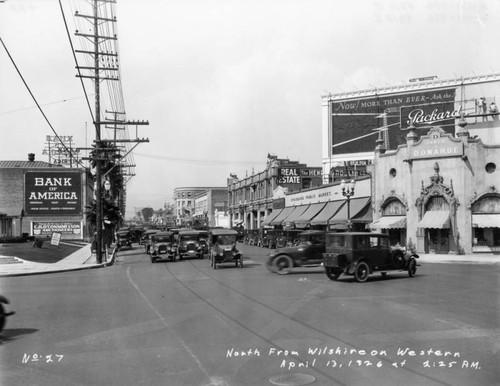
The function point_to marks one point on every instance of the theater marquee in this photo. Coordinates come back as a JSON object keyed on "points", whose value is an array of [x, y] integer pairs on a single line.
{"points": [[437, 145], [53, 193]]}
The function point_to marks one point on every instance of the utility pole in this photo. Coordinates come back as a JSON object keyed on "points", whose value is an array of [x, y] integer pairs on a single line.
{"points": [[95, 74]]}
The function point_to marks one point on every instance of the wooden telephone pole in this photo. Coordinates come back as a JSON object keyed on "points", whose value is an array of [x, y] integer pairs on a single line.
{"points": [[95, 74]]}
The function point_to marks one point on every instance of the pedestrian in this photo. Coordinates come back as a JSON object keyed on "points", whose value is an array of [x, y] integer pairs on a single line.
{"points": [[93, 246], [493, 108]]}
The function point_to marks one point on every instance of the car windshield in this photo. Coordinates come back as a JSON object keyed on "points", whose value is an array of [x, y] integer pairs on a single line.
{"points": [[187, 238], [304, 240], [161, 239], [336, 241], [226, 239]]}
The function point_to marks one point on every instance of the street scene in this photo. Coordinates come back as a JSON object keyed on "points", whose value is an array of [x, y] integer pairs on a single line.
{"points": [[184, 323], [231, 193]]}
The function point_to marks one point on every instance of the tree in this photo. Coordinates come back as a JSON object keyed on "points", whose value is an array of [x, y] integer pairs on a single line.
{"points": [[112, 207], [147, 213]]}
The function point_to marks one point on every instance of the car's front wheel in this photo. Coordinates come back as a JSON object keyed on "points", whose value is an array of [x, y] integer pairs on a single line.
{"points": [[333, 273], [283, 264], [412, 267], [362, 271]]}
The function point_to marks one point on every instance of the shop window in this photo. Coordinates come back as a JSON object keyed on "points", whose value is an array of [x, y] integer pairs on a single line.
{"points": [[490, 167], [393, 172]]}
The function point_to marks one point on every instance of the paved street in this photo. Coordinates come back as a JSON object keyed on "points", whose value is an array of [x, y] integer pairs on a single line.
{"points": [[184, 323]]}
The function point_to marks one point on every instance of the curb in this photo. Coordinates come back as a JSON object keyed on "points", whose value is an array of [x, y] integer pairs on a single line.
{"points": [[72, 269]]}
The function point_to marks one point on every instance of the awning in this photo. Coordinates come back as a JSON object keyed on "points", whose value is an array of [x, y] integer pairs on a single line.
{"points": [[438, 219], [328, 211], [305, 218], [271, 216], [486, 220], [357, 206], [389, 222], [299, 210], [282, 216]]}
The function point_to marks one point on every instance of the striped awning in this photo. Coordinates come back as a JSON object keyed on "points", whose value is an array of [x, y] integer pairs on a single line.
{"points": [[309, 214], [282, 216], [327, 212], [295, 215], [389, 222], [271, 216], [357, 208], [437, 219], [486, 220]]}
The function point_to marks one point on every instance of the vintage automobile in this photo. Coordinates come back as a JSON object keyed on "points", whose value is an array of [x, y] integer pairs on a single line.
{"points": [[162, 247], [223, 249], [189, 244], [124, 238], [203, 239], [3, 313], [146, 239], [360, 253], [308, 252]]}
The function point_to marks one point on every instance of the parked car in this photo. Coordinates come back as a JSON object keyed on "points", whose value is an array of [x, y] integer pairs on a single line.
{"points": [[360, 254], [162, 247], [189, 244], [124, 238], [223, 249], [308, 252]]}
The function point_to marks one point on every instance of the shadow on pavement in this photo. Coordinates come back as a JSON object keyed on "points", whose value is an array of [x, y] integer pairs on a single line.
{"points": [[10, 334]]}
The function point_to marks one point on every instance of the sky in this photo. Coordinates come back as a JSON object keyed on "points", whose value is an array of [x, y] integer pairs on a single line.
{"points": [[223, 83]]}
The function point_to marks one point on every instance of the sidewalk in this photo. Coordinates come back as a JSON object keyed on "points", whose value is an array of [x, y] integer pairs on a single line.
{"points": [[81, 259], [476, 258]]}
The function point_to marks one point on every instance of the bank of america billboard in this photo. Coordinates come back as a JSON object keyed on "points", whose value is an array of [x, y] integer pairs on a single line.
{"points": [[52, 193], [355, 122]]}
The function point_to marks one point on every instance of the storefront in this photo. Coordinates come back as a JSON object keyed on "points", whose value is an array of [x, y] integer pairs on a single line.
{"points": [[457, 210]]}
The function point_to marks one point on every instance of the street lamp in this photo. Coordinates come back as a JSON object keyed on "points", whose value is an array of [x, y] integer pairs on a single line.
{"points": [[348, 192], [107, 186]]}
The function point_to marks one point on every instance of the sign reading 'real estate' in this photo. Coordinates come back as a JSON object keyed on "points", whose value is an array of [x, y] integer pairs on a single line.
{"points": [[53, 193]]}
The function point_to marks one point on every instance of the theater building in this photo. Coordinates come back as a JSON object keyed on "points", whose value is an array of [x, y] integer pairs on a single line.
{"points": [[434, 171], [38, 199]]}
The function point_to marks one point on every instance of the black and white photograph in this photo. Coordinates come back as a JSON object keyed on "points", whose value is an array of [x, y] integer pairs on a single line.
{"points": [[242, 193]]}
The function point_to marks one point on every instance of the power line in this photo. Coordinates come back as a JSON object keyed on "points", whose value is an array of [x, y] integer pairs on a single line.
{"points": [[199, 161], [45, 104], [38, 105]]}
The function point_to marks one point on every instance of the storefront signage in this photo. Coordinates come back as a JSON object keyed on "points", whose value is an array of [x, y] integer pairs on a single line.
{"points": [[311, 172], [63, 227], [53, 193], [436, 146], [325, 194], [289, 176]]}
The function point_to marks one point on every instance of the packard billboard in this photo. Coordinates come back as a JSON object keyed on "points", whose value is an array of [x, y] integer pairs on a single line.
{"points": [[355, 122], [57, 193]]}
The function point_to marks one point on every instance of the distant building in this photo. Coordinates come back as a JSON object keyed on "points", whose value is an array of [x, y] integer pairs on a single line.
{"points": [[252, 198], [184, 198], [210, 209]]}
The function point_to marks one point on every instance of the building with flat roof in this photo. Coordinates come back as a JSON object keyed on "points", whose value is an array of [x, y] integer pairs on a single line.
{"points": [[38, 198]]}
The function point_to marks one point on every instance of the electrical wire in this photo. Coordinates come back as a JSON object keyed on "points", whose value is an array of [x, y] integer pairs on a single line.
{"points": [[39, 107]]}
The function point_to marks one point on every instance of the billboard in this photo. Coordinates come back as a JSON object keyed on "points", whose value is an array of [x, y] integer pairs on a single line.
{"points": [[355, 122], [56, 193]]}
